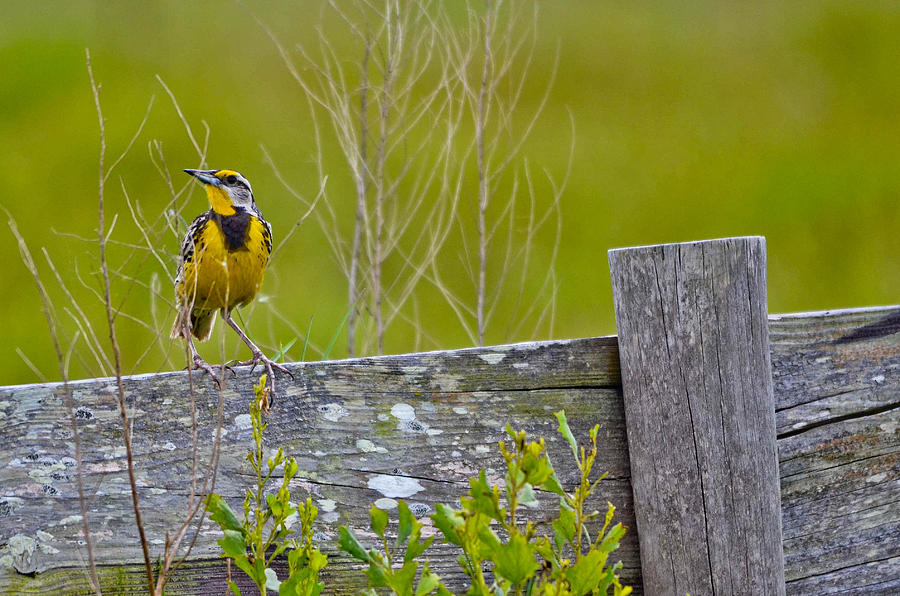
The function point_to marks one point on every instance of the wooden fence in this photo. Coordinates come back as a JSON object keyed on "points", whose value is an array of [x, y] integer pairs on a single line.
{"points": [[713, 404]]}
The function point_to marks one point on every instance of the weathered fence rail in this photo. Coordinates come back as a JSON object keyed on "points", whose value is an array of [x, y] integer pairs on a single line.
{"points": [[418, 426]]}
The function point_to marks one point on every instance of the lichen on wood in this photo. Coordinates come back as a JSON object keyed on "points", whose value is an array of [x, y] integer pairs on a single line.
{"points": [[839, 469]]}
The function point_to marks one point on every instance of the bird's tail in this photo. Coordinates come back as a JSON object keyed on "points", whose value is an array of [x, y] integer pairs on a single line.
{"points": [[200, 322]]}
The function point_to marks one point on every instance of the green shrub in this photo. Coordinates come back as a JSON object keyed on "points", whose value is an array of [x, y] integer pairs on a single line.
{"points": [[268, 523], [523, 561]]}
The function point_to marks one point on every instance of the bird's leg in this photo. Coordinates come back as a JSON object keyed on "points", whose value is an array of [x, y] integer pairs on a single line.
{"points": [[199, 363], [258, 356]]}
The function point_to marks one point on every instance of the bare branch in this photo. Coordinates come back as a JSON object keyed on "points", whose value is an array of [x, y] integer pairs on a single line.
{"points": [[50, 315], [126, 427]]}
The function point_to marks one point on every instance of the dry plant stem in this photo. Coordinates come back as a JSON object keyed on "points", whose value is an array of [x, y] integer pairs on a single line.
{"points": [[82, 320], [47, 308], [311, 205], [194, 504], [126, 427], [385, 115], [37, 372], [193, 425], [352, 289], [483, 189], [397, 53]]}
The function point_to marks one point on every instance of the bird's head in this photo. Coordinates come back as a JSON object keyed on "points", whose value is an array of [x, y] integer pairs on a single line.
{"points": [[226, 190]]}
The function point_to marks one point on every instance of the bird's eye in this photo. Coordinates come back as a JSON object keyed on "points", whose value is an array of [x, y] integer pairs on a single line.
{"points": [[231, 179]]}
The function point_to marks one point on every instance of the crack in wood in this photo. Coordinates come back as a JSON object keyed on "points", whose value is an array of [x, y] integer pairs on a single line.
{"points": [[818, 471], [825, 396], [847, 567], [840, 418]]}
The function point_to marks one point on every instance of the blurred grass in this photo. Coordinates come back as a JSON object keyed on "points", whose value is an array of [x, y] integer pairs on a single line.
{"points": [[693, 120]]}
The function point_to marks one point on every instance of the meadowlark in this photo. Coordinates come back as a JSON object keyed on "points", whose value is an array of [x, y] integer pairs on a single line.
{"points": [[223, 260]]}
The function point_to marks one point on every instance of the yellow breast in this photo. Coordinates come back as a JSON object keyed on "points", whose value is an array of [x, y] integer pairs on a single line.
{"points": [[219, 277]]}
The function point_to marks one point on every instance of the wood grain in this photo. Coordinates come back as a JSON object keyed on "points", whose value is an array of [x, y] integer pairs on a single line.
{"points": [[700, 415], [838, 415], [413, 427], [837, 387]]}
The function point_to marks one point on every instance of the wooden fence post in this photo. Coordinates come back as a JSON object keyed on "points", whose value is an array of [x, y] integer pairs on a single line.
{"points": [[700, 415]]}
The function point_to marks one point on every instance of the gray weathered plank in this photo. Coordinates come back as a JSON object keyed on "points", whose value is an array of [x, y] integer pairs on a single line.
{"points": [[837, 390], [699, 405], [421, 425], [839, 475]]}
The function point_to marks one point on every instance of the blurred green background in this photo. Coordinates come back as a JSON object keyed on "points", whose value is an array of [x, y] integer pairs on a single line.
{"points": [[692, 120]]}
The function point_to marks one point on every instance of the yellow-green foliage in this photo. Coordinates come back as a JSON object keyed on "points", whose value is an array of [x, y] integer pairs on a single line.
{"points": [[489, 529], [267, 529]]}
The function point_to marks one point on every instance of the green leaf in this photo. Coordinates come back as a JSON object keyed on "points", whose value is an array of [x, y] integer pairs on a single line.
{"points": [[488, 543], [304, 575], [406, 522], [293, 586], [276, 507], [416, 548], [259, 570], [233, 543], [484, 498], [221, 513], [586, 574], [527, 497], [466, 566], [244, 565], [337, 333], [610, 511], [566, 432], [348, 543], [279, 357], [428, 582], [515, 560], [401, 581], [535, 465], [281, 545], [510, 482], [234, 588], [290, 468], [564, 528], [544, 549], [376, 576], [379, 519], [449, 522], [306, 339], [612, 538], [317, 560], [551, 484]]}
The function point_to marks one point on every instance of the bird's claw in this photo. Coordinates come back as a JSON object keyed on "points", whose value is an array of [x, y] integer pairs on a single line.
{"points": [[201, 364], [280, 368], [270, 365]]}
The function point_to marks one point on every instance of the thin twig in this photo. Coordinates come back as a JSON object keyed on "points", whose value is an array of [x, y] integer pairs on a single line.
{"points": [[48, 310], [37, 372], [117, 359], [361, 191], [481, 116]]}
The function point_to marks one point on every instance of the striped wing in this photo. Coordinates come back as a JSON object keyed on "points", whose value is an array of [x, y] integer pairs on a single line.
{"points": [[191, 238], [267, 229]]}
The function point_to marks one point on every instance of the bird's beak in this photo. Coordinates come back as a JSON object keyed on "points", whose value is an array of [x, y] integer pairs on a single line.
{"points": [[205, 176]]}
